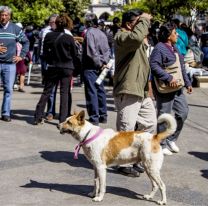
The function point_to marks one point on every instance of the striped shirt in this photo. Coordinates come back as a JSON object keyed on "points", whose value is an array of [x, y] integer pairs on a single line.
{"points": [[9, 36]]}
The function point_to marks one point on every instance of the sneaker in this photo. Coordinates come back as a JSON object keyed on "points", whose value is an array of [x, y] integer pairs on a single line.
{"points": [[173, 146], [128, 171], [167, 152], [15, 87]]}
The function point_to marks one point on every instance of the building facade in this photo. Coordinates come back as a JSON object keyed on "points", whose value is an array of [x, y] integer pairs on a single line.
{"points": [[104, 8]]}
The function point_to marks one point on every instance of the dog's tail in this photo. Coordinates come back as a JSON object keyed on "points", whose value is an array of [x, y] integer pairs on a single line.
{"points": [[170, 128]]}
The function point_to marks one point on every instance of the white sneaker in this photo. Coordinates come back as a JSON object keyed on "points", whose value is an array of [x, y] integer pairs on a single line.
{"points": [[15, 87], [166, 151], [173, 146]]}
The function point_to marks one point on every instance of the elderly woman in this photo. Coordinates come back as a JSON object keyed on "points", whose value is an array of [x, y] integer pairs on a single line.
{"points": [[59, 51], [165, 54]]}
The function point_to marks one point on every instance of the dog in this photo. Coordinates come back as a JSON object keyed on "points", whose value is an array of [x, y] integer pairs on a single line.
{"points": [[106, 148]]}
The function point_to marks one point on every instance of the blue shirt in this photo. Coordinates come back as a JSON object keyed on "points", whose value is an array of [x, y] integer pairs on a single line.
{"points": [[96, 51]]}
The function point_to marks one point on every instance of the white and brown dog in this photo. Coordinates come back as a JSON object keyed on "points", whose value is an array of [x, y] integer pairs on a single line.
{"points": [[106, 147]]}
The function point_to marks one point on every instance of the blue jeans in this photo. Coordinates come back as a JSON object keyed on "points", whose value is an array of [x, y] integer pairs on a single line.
{"points": [[95, 97], [51, 107], [8, 74], [177, 103]]}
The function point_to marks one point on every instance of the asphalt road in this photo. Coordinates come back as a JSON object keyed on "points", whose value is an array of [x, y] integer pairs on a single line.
{"points": [[37, 166]]}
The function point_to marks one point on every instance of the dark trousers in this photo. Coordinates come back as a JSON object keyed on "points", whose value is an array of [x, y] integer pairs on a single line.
{"points": [[95, 97], [51, 107], [52, 77], [173, 102]]}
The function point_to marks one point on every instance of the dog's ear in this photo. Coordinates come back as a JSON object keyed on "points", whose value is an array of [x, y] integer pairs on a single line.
{"points": [[81, 117]]}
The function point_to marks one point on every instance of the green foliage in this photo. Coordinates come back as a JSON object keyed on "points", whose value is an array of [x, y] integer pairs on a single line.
{"points": [[35, 12], [163, 10], [76, 7]]}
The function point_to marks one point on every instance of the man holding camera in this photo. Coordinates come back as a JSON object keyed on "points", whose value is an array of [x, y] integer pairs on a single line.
{"points": [[134, 108]]}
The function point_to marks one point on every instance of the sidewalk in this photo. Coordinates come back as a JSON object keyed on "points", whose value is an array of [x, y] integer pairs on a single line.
{"points": [[37, 166]]}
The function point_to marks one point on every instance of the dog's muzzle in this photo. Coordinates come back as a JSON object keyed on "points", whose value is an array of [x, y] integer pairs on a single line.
{"points": [[61, 129]]}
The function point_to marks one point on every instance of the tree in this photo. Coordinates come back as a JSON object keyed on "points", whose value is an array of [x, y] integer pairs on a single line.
{"points": [[35, 12], [163, 10], [76, 8]]}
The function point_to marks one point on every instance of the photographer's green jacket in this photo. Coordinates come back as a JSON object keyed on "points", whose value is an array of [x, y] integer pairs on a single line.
{"points": [[131, 63]]}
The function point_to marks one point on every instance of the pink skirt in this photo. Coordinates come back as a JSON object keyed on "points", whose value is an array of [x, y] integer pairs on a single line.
{"points": [[21, 68]]}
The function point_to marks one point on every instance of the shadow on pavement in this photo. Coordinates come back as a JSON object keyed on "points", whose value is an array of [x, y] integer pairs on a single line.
{"points": [[204, 173], [23, 115], [66, 157], [196, 105], [82, 190], [200, 155]]}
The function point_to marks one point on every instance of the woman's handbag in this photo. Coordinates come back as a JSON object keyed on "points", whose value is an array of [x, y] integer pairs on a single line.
{"points": [[175, 71]]}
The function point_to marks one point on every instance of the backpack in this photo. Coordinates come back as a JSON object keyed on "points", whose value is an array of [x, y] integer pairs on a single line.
{"points": [[50, 53], [77, 64]]}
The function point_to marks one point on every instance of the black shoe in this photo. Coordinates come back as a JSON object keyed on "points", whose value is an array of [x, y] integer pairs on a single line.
{"points": [[139, 168], [6, 118], [103, 121], [128, 171], [94, 123], [38, 122]]}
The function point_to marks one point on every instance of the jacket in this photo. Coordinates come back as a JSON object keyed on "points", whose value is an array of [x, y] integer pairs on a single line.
{"points": [[131, 63], [60, 51], [96, 51], [161, 57]]}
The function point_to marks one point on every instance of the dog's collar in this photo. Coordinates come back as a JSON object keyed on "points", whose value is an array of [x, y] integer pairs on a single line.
{"points": [[86, 141]]}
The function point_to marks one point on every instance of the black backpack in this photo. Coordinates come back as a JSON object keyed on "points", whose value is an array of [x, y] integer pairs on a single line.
{"points": [[50, 53]]}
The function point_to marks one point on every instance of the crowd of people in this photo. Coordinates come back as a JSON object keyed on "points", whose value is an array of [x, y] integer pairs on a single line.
{"points": [[144, 51]]}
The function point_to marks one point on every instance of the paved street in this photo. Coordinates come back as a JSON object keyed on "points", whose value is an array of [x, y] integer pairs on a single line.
{"points": [[37, 166]]}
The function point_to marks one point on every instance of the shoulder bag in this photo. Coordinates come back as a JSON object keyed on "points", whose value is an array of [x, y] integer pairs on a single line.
{"points": [[175, 71]]}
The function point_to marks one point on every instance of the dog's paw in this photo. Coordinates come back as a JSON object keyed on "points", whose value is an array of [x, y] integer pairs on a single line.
{"points": [[161, 202], [97, 199], [91, 194], [147, 197]]}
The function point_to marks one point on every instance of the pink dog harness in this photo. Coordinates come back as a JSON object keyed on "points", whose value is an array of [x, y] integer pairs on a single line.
{"points": [[87, 141]]}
